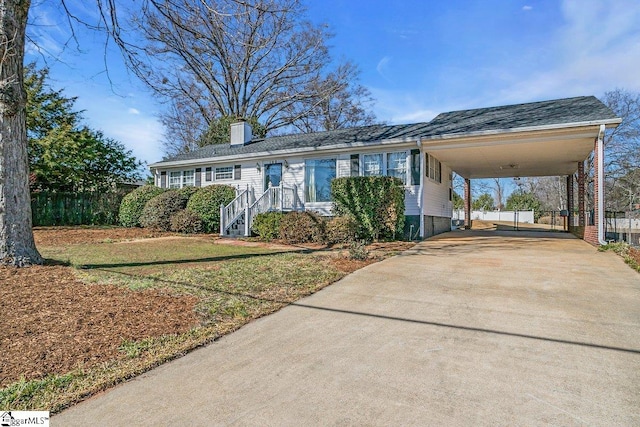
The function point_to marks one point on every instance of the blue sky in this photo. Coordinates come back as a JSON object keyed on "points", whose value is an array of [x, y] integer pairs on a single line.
{"points": [[418, 58]]}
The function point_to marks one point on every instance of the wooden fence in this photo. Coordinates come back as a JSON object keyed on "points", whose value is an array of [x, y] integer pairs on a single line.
{"points": [[57, 208]]}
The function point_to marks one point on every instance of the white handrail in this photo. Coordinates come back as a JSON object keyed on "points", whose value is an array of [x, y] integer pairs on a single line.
{"points": [[280, 198], [231, 212]]}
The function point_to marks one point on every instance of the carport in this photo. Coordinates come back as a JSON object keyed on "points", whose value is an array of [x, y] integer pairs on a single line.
{"points": [[549, 138]]}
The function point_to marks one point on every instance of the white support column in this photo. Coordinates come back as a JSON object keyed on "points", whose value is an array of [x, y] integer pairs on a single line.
{"points": [[246, 221], [600, 183], [421, 188], [222, 224]]}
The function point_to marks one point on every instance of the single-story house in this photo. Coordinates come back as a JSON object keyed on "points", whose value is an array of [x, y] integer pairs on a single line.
{"points": [[294, 172]]}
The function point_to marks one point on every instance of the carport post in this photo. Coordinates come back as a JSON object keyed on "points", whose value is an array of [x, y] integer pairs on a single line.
{"points": [[467, 203]]}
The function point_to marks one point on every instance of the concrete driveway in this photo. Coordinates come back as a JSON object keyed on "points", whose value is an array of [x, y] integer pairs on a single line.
{"points": [[469, 328]]}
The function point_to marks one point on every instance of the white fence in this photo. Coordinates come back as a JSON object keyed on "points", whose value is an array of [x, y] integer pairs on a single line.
{"points": [[622, 224], [524, 217]]}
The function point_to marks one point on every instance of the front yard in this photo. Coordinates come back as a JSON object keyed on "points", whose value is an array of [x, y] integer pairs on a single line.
{"points": [[112, 303]]}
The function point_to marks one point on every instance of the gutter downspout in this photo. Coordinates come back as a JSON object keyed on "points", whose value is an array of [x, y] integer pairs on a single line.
{"points": [[600, 195], [421, 189]]}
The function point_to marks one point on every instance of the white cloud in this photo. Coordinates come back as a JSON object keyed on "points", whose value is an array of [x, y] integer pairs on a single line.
{"points": [[133, 111], [527, 8], [382, 68], [394, 107], [598, 49], [142, 136]]}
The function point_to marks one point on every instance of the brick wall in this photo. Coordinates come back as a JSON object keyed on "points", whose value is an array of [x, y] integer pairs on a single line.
{"points": [[591, 235], [577, 231]]}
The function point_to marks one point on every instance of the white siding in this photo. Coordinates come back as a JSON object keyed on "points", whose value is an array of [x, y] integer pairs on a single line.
{"points": [[343, 168], [436, 195], [293, 174]]}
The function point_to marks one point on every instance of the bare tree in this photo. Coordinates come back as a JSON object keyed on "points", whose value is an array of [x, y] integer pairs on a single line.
{"points": [[550, 190], [252, 60], [231, 58], [621, 146], [337, 102], [499, 189]]}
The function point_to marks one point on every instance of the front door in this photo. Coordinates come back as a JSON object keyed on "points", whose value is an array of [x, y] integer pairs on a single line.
{"points": [[272, 175]]}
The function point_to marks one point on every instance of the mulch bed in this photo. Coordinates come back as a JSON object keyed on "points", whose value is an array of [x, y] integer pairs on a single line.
{"points": [[52, 323], [57, 236], [635, 254]]}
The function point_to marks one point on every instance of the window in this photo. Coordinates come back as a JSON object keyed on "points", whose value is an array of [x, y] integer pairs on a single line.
{"points": [[224, 173], [317, 179], [372, 165], [415, 167], [207, 175], [397, 166], [355, 164], [188, 179], [237, 172], [179, 179], [174, 179], [434, 168]]}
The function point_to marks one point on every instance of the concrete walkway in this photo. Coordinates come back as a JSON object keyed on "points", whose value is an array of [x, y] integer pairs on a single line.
{"points": [[470, 328]]}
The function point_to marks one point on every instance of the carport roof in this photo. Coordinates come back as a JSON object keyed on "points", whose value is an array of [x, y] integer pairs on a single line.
{"points": [[546, 138], [455, 138], [583, 109]]}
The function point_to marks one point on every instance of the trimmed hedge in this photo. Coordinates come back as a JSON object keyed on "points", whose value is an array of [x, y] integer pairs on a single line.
{"points": [[206, 203], [186, 221], [188, 191], [302, 227], [158, 211], [376, 203], [133, 204], [267, 225]]}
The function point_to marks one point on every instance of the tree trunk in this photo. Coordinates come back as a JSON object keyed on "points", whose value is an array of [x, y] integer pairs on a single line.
{"points": [[17, 246]]}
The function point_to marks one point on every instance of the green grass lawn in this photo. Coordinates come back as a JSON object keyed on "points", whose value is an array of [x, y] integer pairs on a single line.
{"points": [[233, 284]]}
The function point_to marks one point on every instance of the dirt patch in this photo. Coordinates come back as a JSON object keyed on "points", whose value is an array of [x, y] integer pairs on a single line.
{"points": [[60, 236], [53, 323]]}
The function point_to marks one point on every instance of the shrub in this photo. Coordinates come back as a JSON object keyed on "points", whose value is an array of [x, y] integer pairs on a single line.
{"points": [[186, 221], [158, 211], [206, 203], [341, 229], [376, 203], [302, 227], [267, 225], [358, 251], [133, 204], [188, 191]]}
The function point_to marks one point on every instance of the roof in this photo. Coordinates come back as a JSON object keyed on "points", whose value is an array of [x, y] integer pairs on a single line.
{"points": [[566, 111], [579, 110]]}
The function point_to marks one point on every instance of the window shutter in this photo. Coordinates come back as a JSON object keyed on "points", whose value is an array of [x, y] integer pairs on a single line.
{"points": [[415, 167], [355, 165], [198, 177], [237, 172], [163, 179], [207, 174]]}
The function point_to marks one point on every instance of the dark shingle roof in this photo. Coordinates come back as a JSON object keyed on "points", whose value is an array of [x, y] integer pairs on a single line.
{"points": [[545, 113], [555, 112]]}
